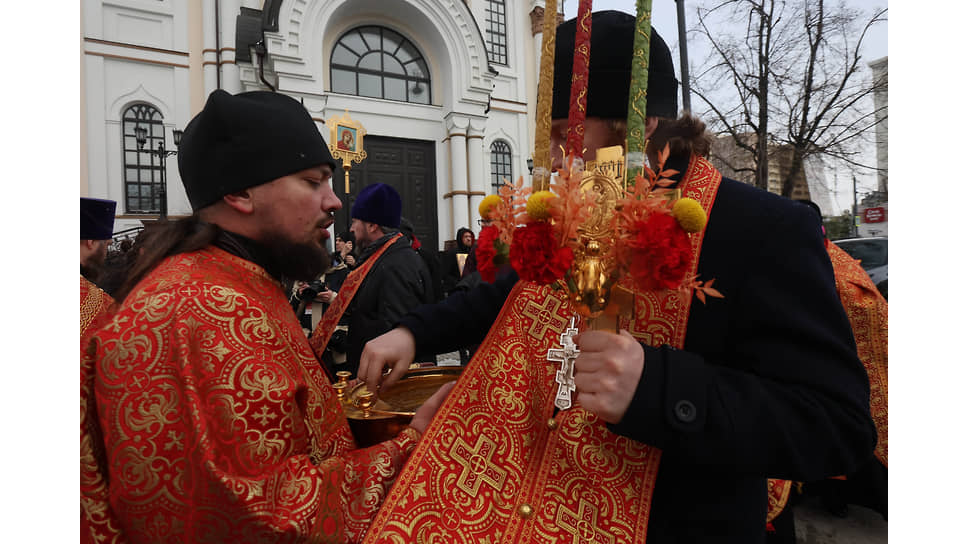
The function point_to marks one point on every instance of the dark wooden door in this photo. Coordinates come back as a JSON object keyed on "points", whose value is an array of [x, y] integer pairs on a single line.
{"points": [[409, 166]]}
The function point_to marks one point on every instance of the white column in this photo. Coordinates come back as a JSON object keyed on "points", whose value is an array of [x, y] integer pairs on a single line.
{"points": [[228, 12], [457, 132], [209, 55], [475, 168]]}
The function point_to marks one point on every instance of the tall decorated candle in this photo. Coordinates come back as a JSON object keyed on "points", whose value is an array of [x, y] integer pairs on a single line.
{"points": [[638, 88], [542, 131], [579, 80]]}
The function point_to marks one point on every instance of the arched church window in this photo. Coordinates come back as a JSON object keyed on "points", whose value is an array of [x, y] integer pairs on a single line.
{"points": [[500, 164], [380, 63], [497, 32], [142, 169]]}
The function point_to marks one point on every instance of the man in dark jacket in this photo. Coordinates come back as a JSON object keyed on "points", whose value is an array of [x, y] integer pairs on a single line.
{"points": [[453, 260], [766, 382], [395, 282], [429, 258]]}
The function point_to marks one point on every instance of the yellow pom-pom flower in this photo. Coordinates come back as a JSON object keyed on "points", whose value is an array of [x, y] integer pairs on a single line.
{"points": [[537, 206], [689, 214], [488, 205]]}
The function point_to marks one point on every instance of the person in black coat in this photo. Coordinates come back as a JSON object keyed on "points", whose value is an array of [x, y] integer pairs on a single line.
{"points": [[398, 280], [768, 383], [429, 258], [454, 259]]}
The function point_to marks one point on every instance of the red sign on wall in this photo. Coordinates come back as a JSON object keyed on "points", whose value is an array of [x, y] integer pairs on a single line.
{"points": [[875, 215]]}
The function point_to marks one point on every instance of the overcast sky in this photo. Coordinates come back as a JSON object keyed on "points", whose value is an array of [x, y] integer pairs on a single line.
{"points": [[665, 23]]}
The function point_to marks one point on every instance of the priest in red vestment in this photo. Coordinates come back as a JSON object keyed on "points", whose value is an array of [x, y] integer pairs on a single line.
{"points": [[216, 422], [682, 417], [97, 226]]}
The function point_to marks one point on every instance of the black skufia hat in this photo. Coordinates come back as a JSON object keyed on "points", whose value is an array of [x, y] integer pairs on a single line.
{"points": [[97, 218], [610, 69], [240, 141]]}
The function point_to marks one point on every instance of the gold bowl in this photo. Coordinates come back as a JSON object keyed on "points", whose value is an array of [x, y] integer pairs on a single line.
{"points": [[376, 419]]}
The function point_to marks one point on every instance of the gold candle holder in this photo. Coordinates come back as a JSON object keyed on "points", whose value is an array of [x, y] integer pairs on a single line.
{"points": [[366, 401], [344, 377], [340, 388]]}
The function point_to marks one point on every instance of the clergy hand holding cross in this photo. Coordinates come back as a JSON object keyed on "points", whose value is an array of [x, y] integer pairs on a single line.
{"points": [[607, 372]]}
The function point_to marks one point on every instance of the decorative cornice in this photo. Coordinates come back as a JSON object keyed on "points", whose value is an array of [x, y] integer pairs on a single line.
{"points": [[138, 47], [135, 59]]}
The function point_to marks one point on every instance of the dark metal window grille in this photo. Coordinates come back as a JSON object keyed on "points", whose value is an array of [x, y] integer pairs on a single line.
{"points": [[380, 63], [500, 164], [142, 169], [497, 32]]}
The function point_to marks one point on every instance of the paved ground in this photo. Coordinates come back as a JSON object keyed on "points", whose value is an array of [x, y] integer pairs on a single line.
{"points": [[814, 524]]}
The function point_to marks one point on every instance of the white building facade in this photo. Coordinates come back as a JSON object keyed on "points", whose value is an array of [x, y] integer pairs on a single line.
{"points": [[445, 90]]}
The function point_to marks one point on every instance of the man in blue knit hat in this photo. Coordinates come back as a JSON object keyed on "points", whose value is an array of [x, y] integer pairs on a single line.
{"points": [[395, 278]]}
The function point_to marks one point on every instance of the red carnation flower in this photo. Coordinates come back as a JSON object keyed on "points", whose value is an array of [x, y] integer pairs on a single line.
{"points": [[659, 254], [536, 256], [487, 254]]}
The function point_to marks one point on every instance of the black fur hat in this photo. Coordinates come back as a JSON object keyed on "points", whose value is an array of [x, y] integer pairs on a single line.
{"points": [[610, 69], [240, 141], [97, 218]]}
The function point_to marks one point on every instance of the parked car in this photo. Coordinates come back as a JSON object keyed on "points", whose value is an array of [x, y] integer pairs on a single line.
{"points": [[872, 253]]}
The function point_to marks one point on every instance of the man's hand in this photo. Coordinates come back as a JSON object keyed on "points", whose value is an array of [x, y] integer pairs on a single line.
{"points": [[395, 349], [607, 372], [349, 260], [326, 296], [421, 420]]}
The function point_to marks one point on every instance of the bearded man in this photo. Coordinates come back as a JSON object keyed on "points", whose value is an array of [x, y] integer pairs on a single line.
{"points": [[218, 422], [97, 226]]}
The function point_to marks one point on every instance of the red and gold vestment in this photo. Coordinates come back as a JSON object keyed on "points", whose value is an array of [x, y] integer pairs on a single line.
{"points": [[219, 423], [97, 522], [867, 311], [498, 464]]}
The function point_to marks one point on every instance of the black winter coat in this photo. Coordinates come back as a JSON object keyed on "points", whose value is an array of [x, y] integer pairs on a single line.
{"points": [[398, 282], [768, 384]]}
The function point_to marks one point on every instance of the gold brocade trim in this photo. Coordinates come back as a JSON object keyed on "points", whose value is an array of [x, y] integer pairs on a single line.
{"points": [[777, 494], [94, 301], [867, 312]]}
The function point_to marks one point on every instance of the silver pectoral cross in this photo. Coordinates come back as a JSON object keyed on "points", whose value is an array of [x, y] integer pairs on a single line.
{"points": [[566, 355]]}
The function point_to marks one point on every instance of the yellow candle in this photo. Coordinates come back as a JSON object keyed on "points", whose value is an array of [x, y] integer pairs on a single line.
{"points": [[542, 129]]}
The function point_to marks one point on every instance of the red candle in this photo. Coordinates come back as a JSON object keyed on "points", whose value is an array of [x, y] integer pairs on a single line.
{"points": [[579, 80]]}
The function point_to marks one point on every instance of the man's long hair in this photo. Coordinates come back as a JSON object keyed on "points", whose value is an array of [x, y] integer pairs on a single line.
{"points": [[165, 240]]}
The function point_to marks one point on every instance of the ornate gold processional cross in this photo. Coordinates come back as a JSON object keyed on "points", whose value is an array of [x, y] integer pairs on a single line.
{"points": [[566, 355]]}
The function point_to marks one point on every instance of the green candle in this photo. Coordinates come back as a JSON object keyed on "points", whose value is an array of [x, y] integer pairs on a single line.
{"points": [[635, 138]]}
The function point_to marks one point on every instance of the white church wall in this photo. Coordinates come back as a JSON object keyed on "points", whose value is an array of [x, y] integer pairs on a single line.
{"points": [[138, 51]]}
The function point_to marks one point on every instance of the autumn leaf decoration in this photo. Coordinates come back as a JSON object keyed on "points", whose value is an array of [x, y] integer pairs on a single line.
{"points": [[539, 233]]}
